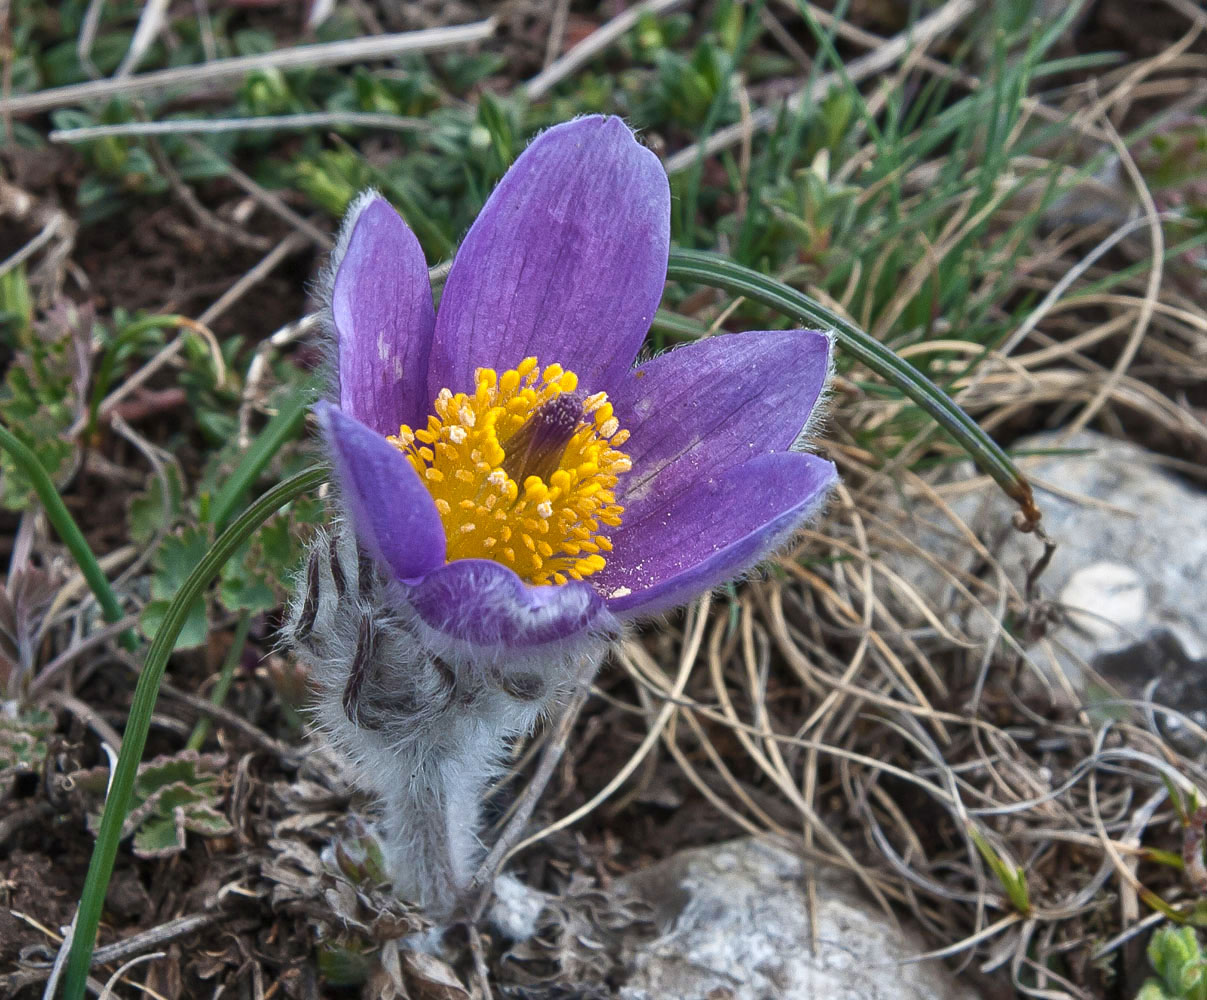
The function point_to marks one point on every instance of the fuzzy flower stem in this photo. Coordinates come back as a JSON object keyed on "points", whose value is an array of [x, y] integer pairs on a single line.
{"points": [[555, 746], [425, 727]]}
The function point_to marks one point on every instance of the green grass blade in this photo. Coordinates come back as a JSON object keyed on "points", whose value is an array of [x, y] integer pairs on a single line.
{"points": [[718, 272], [233, 655], [281, 429], [117, 803], [67, 530]]}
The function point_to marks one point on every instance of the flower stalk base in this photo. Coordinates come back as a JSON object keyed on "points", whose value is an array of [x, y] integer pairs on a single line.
{"points": [[424, 725]]}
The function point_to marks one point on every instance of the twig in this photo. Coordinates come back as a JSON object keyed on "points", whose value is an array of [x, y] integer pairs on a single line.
{"points": [[69, 655], [107, 992], [60, 961], [215, 126], [154, 937], [1188, 9], [259, 367], [287, 246], [921, 35], [228, 718], [303, 56], [87, 36], [45, 235], [592, 45], [557, 32], [88, 715], [150, 21], [269, 199], [227, 230], [481, 973]]}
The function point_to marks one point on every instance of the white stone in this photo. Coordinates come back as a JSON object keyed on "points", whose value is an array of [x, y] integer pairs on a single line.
{"points": [[734, 922], [1104, 598], [1129, 574]]}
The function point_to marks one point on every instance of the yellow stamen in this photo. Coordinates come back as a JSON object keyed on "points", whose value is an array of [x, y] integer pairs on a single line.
{"points": [[555, 520]]}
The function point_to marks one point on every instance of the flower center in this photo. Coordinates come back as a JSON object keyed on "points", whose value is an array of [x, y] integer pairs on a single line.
{"points": [[523, 471]]}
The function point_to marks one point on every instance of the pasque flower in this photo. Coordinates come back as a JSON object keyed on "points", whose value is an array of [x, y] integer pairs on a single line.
{"points": [[522, 487], [502, 457]]}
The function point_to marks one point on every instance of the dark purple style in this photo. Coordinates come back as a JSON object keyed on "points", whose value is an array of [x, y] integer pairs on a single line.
{"points": [[567, 262]]}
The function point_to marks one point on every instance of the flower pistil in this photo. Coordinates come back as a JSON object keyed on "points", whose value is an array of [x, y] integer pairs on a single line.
{"points": [[523, 471]]}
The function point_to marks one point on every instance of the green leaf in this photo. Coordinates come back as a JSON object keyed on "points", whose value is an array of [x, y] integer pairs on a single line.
{"points": [[159, 838], [150, 512], [177, 557], [243, 589], [207, 822], [192, 634]]}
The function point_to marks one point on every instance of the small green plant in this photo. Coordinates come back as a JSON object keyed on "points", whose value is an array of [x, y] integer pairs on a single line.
{"points": [[23, 743], [1177, 958], [173, 796], [44, 388]]}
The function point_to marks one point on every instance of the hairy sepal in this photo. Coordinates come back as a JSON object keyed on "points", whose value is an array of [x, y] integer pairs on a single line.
{"points": [[423, 719]]}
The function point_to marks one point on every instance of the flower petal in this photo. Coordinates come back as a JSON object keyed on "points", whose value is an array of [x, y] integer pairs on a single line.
{"points": [[719, 529], [702, 408], [381, 303], [393, 513], [483, 603], [566, 262]]}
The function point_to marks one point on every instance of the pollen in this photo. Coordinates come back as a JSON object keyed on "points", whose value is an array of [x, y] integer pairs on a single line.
{"points": [[529, 457]]}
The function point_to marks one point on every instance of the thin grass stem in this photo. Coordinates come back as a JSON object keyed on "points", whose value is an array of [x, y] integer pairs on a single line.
{"points": [[225, 677], [117, 803], [67, 530], [279, 430]]}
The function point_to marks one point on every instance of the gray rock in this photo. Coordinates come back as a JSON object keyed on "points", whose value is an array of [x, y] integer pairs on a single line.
{"points": [[1128, 577], [734, 923]]}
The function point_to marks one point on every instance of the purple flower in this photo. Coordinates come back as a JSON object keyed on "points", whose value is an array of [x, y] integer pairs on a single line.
{"points": [[501, 458]]}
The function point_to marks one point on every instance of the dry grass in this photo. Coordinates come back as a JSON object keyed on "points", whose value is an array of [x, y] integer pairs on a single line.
{"points": [[907, 734]]}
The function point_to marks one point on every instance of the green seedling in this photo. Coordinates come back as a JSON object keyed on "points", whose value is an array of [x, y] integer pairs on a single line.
{"points": [[24, 742], [173, 796], [1177, 958], [44, 388]]}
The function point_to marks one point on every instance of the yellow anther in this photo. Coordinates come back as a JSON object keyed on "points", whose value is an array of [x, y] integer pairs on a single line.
{"points": [[547, 529]]}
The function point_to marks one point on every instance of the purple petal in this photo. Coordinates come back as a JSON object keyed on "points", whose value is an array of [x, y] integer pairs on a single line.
{"points": [[566, 262], [718, 530], [702, 408], [381, 302], [393, 513], [484, 603]]}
